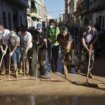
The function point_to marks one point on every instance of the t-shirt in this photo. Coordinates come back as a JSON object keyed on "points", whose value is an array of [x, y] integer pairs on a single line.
{"points": [[14, 40], [5, 37], [90, 36], [63, 40], [52, 34], [26, 38]]}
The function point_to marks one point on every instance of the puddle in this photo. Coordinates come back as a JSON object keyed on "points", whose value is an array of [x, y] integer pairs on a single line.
{"points": [[51, 100]]}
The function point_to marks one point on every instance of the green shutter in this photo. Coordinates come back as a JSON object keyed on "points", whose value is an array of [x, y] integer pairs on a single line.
{"points": [[33, 6]]}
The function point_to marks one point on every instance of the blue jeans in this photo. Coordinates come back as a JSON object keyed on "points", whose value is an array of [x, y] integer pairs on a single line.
{"points": [[53, 56], [16, 57]]}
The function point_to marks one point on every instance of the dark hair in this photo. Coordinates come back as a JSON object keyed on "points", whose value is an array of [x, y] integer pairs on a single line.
{"points": [[23, 29], [64, 28], [51, 21], [2, 25]]}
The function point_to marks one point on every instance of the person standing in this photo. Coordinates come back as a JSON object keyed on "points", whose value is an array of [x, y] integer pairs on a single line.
{"points": [[52, 32], [4, 38]]}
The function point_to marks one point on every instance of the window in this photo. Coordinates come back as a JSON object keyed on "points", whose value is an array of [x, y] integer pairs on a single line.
{"points": [[9, 20], [4, 19]]}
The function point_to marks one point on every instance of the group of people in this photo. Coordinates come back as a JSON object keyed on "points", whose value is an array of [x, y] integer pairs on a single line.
{"points": [[14, 46], [35, 52]]}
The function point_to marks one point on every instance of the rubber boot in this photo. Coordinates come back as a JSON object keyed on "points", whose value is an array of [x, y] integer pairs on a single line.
{"points": [[16, 70], [65, 71], [3, 72], [20, 69], [27, 67]]}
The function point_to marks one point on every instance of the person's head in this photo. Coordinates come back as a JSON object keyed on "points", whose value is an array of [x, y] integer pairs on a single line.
{"points": [[1, 29], [23, 30], [13, 33], [88, 28], [39, 27], [64, 31], [51, 23]]}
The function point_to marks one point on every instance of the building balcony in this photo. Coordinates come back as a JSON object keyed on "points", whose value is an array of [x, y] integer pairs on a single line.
{"points": [[97, 5], [20, 3]]}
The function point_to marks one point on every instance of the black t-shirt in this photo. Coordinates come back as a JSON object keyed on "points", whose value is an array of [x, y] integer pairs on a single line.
{"points": [[63, 40]]}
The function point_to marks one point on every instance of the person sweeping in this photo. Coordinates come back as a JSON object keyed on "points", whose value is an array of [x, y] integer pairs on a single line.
{"points": [[15, 51], [89, 38], [65, 41]]}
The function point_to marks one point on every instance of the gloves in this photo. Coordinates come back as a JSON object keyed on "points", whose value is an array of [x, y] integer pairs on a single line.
{"points": [[11, 54], [4, 52]]}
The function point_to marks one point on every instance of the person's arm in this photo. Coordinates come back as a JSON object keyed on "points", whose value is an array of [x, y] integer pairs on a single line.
{"points": [[4, 50], [27, 46], [69, 44], [16, 45], [57, 32], [28, 42], [93, 42], [84, 42]]}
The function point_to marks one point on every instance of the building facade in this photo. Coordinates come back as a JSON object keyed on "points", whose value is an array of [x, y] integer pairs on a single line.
{"points": [[66, 14], [36, 13], [12, 13], [72, 10], [95, 11]]}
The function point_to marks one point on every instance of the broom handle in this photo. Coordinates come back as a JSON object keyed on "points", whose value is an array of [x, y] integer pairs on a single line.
{"points": [[9, 63], [1, 60], [88, 68]]}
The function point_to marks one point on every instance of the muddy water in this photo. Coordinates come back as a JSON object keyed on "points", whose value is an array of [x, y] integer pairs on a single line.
{"points": [[51, 100]]}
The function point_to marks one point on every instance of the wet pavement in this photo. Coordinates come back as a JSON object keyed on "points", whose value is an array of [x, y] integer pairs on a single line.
{"points": [[57, 91], [49, 100]]}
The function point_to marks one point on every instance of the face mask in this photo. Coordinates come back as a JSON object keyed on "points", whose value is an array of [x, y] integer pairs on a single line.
{"points": [[51, 26], [39, 30]]}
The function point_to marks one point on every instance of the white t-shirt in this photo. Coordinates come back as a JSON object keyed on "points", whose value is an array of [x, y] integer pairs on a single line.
{"points": [[88, 37], [14, 39], [5, 37], [26, 38]]}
